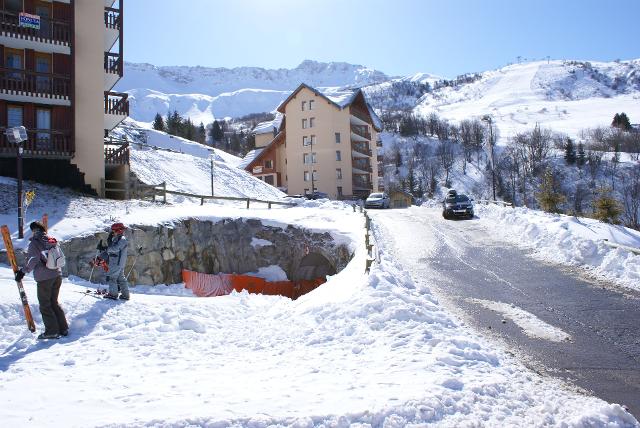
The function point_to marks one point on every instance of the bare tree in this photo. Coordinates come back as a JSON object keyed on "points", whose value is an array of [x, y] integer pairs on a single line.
{"points": [[631, 197], [446, 154]]}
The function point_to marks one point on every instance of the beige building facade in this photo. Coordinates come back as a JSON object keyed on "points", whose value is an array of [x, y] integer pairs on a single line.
{"points": [[60, 60], [326, 143]]}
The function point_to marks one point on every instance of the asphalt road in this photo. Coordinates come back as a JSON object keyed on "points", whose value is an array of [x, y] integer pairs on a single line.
{"points": [[463, 263]]}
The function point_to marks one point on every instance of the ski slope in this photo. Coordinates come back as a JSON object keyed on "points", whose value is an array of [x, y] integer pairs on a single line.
{"points": [[374, 350], [565, 98]]}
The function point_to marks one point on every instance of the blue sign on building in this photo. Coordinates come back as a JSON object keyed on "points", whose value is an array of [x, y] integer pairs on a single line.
{"points": [[29, 21]]}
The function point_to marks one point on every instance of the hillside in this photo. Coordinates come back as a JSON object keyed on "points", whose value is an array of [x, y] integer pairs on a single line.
{"points": [[566, 96], [205, 93]]}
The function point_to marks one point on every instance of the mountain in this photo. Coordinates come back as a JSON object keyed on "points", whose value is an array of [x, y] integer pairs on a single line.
{"points": [[204, 93], [566, 96]]}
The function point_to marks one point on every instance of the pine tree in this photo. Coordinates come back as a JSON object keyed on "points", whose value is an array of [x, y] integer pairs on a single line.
{"points": [[621, 120], [581, 156], [158, 122], [569, 152], [606, 208], [217, 134], [550, 196], [201, 135]]}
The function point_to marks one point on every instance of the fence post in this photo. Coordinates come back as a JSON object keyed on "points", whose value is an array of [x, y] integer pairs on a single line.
{"points": [[269, 205], [248, 203], [164, 192], [201, 201]]}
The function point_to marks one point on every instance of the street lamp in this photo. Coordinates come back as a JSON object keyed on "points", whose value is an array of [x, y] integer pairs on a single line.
{"points": [[17, 135], [489, 120]]}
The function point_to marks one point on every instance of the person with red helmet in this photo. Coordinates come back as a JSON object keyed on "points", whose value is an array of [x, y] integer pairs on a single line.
{"points": [[117, 258]]}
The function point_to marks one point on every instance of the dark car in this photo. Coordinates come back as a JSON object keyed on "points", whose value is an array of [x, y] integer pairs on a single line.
{"points": [[457, 206], [316, 195], [377, 200]]}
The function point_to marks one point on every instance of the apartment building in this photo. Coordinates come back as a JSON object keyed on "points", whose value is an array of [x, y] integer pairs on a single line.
{"points": [[327, 142], [59, 61]]}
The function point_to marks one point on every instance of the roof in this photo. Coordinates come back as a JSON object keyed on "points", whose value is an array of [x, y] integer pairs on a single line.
{"points": [[340, 98], [268, 126], [278, 139], [249, 158]]}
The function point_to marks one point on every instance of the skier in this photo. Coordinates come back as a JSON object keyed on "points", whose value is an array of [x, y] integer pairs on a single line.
{"points": [[116, 250], [48, 280]]}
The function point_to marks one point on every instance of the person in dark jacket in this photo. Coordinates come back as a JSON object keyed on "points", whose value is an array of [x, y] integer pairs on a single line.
{"points": [[48, 280]]}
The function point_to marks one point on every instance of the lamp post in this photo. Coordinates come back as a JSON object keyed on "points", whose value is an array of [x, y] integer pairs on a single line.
{"points": [[17, 135], [489, 120], [313, 186]]}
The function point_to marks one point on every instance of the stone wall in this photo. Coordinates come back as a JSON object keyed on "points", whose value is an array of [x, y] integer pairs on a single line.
{"points": [[205, 246]]}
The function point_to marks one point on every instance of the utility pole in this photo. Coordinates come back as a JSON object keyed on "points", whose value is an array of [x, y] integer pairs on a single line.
{"points": [[213, 154], [489, 120]]}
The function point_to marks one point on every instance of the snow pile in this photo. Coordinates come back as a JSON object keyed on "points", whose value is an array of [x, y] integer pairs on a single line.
{"points": [[361, 349], [570, 240]]}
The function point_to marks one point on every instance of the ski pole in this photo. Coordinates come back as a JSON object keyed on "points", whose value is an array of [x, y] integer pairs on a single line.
{"points": [[135, 259], [93, 265]]}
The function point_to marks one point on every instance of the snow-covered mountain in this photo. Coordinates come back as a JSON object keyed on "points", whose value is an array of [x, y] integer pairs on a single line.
{"points": [[204, 93], [566, 96]]}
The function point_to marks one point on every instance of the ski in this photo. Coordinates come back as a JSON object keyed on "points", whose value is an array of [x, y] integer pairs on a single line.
{"points": [[11, 255], [93, 293]]}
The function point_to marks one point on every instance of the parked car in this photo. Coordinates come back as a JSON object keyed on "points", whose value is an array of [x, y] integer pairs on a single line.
{"points": [[317, 195], [377, 200], [457, 205]]}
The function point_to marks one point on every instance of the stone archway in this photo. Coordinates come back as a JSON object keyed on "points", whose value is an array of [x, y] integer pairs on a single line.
{"points": [[314, 266]]}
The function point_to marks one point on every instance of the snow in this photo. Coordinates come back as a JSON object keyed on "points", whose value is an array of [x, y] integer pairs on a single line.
{"points": [[257, 242], [270, 273], [561, 96], [575, 241], [204, 94], [268, 126], [375, 350], [529, 323]]}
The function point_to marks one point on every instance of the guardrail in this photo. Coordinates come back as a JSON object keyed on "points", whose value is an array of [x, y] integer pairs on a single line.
{"points": [[624, 247], [224, 198]]}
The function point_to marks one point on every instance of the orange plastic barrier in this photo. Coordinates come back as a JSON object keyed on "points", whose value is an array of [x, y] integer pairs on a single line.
{"points": [[208, 285]]}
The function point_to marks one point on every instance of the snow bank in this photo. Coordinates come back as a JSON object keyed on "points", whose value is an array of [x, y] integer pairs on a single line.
{"points": [[570, 240]]}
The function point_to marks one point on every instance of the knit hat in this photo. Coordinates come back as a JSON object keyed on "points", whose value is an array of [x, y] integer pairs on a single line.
{"points": [[37, 225]]}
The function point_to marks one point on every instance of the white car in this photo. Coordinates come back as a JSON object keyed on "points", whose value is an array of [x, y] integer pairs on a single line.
{"points": [[377, 200]]}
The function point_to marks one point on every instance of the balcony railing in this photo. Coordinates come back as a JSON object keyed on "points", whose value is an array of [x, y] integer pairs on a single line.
{"points": [[358, 183], [112, 18], [360, 114], [50, 31], [362, 164], [361, 148], [116, 103], [361, 131], [116, 154], [113, 63], [32, 83], [379, 143], [380, 158], [46, 143]]}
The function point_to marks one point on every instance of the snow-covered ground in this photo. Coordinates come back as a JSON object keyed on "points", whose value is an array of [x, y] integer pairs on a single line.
{"points": [[575, 241], [563, 97], [372, 350]]}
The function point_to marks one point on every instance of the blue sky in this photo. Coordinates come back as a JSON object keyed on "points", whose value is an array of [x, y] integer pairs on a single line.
{"points": [[398, 37]]}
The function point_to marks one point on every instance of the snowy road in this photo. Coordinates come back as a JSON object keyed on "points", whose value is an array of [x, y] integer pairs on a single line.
{"points": [[558, 322]]}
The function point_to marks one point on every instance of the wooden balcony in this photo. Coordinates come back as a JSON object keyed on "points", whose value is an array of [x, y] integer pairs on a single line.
{"points": [[23, 83], [360, 184], [362, 164], [379, 143], [116, 152], [112, 18], [41, 143], [116, 108], [51, 31], [360, 114], [361, 148], [113, 63], [361, 131], [380, 158]]}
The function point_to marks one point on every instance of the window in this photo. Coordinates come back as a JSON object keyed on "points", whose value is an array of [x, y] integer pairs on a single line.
{"points": [[315, 175], [313, 139], [340, 192], [339, 173], [337, 138], [304, 123], [269, 179], [338, 155], [14, 116], [304, 105], [268, 164], [311, 104], [307, 177], [14, 58], [43, 122], [306, 158], [313, 158], [305, 141], [306, 191], [43, 65], [14, 6], [311, 122]]}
